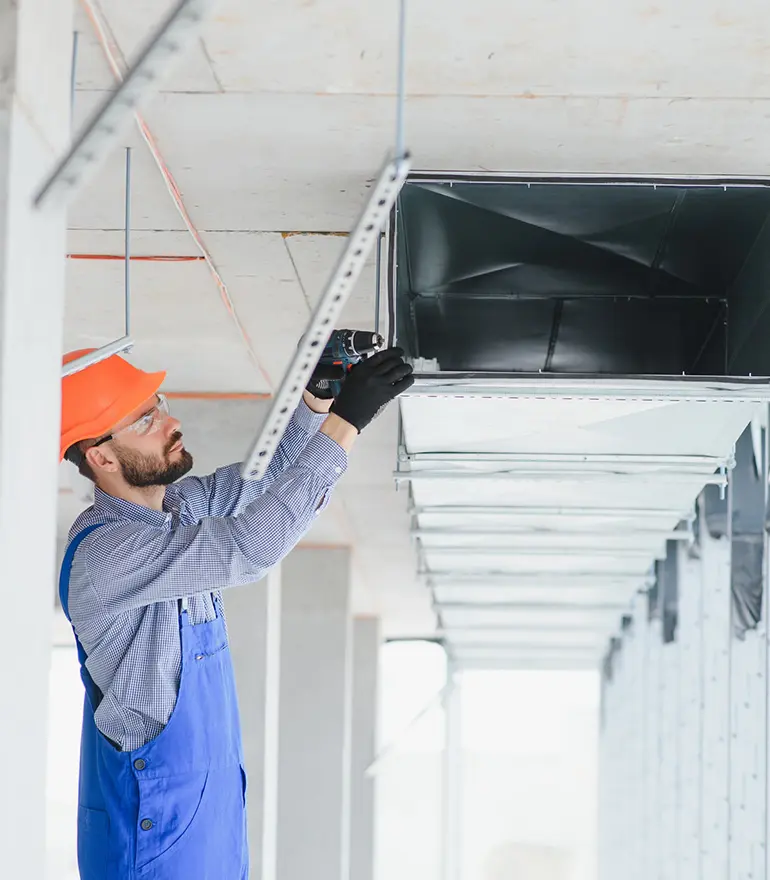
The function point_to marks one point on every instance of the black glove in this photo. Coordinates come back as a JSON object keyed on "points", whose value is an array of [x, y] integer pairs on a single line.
{"points": [[323, 375], [370, 385]]}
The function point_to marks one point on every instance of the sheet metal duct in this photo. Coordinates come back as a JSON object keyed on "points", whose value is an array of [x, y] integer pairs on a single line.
{"points": [[588, 352]]}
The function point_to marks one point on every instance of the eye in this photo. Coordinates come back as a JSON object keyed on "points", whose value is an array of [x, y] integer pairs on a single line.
{"points": [[144, 423]]}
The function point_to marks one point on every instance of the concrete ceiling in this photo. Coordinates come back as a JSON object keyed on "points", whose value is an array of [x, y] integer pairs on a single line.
{"points": [[273, 126]]}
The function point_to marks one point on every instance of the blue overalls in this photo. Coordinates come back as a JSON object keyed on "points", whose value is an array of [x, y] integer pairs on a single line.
{"points": [[176, 807]]}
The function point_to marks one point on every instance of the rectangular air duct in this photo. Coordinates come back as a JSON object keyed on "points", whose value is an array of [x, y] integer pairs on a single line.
{"points": [[577, 275], [587, 351]]}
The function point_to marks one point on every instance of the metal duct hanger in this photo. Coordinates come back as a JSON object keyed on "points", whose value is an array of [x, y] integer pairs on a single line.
{"points": [[125, 342], [104, 128], [358, 246]]}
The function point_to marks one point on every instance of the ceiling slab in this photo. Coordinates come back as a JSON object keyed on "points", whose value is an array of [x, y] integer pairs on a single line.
{"points": [[639, 50], [100, 204], [130, 25], [142, 243], [286, 162], [315, 257], [342, 47], [177, 320]]}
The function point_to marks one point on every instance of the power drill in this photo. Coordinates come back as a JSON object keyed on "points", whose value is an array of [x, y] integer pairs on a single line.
{"points": [[346, 348]]}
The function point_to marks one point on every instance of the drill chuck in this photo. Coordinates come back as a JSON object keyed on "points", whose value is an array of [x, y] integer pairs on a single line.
{"points": [[359, 342]]}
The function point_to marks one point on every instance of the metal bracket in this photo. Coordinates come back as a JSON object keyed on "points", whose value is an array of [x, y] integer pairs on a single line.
{"points": [[455, 535], [119, 345], [494, 578], [678, 462], [529, 512], [579, 386], [339, 287], [504, 473], [547, 552], [495, 607]]}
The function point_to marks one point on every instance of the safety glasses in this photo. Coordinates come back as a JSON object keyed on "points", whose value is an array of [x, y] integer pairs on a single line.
{"points": [[149, 423]]}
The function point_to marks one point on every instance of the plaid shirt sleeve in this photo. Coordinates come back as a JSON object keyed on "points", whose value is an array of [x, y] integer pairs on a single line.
{"points": [[224, 492], [133, 564]]}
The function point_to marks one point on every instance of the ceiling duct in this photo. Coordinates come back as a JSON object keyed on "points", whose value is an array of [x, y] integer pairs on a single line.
{"points": [[577, 276], [588, 351]]}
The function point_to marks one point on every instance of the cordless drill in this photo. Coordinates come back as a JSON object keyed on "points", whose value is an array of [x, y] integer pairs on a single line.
{"points": [[344, 349]]}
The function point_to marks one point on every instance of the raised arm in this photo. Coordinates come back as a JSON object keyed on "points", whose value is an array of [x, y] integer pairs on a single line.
{"points": [[131, 565], [134, 564], [224, 492]]}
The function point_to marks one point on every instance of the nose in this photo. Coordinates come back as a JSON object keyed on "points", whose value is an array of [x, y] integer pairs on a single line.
{"points": [[172, 425]]}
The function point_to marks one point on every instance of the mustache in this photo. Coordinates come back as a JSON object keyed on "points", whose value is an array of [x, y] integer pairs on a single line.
{"points": [[173, 440]]}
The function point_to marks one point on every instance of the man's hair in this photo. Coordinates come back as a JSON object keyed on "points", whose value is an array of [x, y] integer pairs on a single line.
{"points": [[76, 454]]}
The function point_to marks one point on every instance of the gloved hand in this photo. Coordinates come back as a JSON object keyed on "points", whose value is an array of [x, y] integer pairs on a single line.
{"points": [[320, 381], [370, 385]]}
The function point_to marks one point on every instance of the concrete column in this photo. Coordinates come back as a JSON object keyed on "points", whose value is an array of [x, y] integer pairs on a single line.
{"points": [[254, 628], [452, 782], [366, 655], [35, 53], [715, 730], [690, 634], [315, 714]]}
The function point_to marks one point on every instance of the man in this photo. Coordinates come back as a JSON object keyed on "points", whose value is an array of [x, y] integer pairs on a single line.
{"points": [[162, 784]]}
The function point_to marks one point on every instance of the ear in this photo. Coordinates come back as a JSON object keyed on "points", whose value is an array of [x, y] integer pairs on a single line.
{"points": [[101, 459]]}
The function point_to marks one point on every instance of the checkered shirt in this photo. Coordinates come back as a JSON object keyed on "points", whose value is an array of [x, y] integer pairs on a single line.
{"points": [[214, 532]]}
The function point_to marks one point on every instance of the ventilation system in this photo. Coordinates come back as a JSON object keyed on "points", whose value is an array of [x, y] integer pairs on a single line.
{"points": [[588, 352]]}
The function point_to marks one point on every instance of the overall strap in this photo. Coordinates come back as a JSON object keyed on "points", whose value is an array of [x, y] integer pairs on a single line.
{"points": [[64, 596]]}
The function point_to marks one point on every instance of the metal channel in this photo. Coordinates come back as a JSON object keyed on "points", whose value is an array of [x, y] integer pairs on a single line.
{"points": [[593, 385], [527, 512], [100, 354], [581, 178], [453, 535], [532, 581], [357, 248], [548, 474]]}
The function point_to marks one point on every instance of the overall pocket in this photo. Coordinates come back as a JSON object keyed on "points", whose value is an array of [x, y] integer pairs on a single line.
{"points": [[208, 841], [168, 807]]}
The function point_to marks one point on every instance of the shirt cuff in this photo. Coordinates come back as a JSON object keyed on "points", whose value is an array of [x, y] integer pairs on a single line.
{"points": [[307, 420], [324, 457]]}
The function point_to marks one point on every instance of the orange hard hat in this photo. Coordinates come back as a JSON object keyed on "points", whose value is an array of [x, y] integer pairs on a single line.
{"points": [[103, 394]]}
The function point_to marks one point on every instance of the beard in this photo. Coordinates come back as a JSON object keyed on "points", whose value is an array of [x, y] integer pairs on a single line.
{"points": [[142, 471]]}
